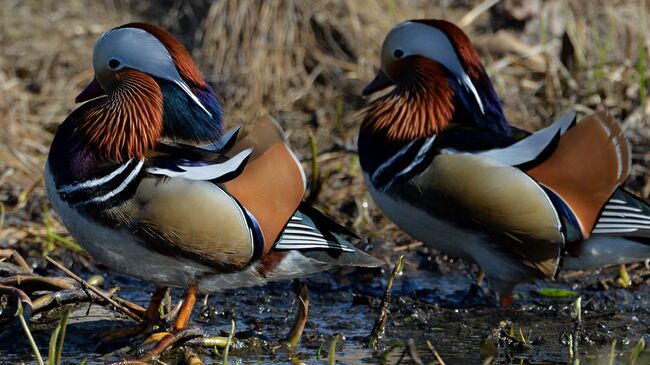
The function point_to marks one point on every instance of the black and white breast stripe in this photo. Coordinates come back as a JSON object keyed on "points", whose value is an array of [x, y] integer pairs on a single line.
{"points": [[104, 188], [621, 216], [407, 162], [298, 235]]}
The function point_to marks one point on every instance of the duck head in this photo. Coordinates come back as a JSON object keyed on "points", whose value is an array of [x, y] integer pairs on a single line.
{"points": [[438, 80], [146, 87]]}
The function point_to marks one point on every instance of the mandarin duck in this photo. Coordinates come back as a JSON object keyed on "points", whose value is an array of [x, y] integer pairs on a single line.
{"points": [[144, 179], [441, 161]]}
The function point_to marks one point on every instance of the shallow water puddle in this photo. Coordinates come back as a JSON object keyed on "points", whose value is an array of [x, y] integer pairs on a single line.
{"points": [[347, 304]]}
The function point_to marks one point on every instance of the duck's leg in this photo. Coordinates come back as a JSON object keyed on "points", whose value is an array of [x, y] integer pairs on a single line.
{"points": [[186, 310], [505, 300], [152, 313], [479, 278], [167, 339], [150, 319], [504, 290]]}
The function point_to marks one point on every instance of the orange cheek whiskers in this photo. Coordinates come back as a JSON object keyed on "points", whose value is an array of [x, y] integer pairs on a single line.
{"points": [[128, 123], [422, 105]]}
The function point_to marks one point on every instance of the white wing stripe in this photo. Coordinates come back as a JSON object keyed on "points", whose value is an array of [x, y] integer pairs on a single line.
{"points": [[208, 172], [303, 239], [624, 220], [529, 148], [282, 246], [301, 232], [621, 226], [622, 230], [621, 207], [625, 215], [300, 226]]}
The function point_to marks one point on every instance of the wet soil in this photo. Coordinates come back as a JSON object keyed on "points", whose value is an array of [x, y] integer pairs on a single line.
{"points": [[458, 318]]}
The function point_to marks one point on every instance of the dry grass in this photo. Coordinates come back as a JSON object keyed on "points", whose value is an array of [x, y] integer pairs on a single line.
{"points": [[305, 63]]}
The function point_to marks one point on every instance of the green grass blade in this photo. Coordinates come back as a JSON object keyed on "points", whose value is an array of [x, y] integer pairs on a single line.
{"points": [[640, 346], [331, 352], [612, 353], [63, 324], [28, 333], [51, 353], [230, 336]]}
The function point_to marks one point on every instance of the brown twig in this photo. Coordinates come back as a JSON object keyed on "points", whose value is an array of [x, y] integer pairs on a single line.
{"points": [[139, 310], [12, 254], [37, 282], [301, 315], [168, 341], [378, 327], [435, 353], [63, 297], [413, 352], [173, 312], [116, 305]]}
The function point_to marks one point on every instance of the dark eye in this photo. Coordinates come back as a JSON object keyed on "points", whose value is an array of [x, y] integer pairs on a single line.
{"points": [[113, 63], [398, 53]]}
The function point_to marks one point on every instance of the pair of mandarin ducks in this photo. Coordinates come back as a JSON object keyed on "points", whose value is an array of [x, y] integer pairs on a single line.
{"points": [[144, 177]]}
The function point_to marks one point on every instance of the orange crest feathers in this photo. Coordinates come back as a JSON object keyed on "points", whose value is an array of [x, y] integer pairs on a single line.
{"points": [[466, 52]]}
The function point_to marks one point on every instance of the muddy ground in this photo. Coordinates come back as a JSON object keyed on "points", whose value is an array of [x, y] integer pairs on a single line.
{"points": [[463, 324]]}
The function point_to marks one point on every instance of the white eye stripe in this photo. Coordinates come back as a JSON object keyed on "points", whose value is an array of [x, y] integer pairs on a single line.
{"points": [[189, 92], [138, 49], [470, 85], [424, 40]]}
